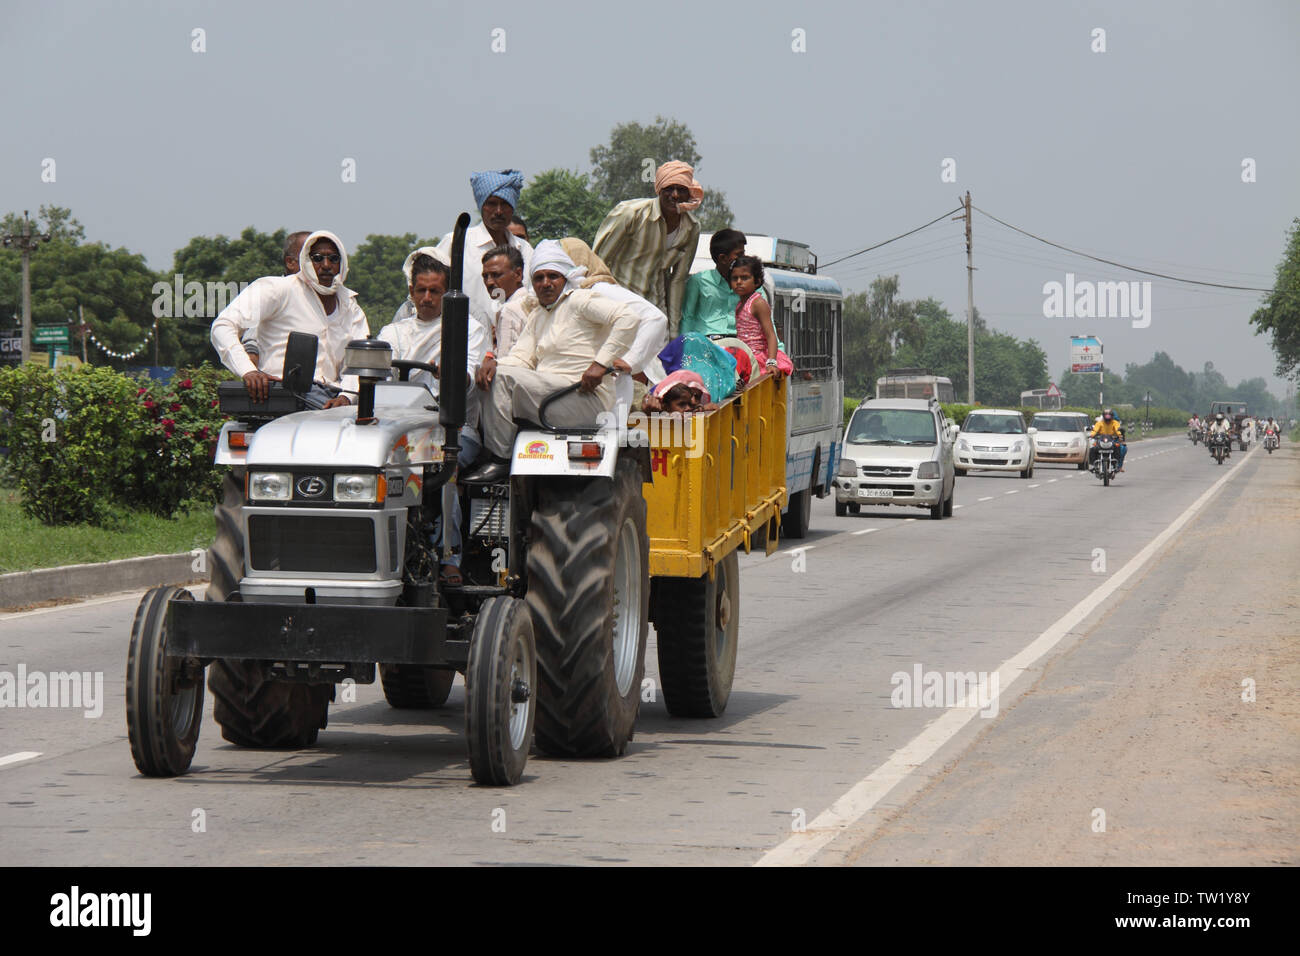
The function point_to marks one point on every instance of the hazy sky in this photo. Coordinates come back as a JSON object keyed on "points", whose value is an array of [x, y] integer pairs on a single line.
{"points": [[1133, 154]]}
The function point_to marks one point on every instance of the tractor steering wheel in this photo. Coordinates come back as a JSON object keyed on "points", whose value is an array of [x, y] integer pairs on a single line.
{"points": [[404, 367]]}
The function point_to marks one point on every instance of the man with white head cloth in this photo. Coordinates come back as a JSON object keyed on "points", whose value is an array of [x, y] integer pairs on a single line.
{"points": [[314, 301], [572, 335]]}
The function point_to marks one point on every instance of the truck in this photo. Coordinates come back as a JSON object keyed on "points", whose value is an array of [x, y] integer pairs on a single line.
{"points": [[324, 569]]}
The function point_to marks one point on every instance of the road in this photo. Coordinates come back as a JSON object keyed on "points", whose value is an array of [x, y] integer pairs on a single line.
{"points": [[1120, 624]]}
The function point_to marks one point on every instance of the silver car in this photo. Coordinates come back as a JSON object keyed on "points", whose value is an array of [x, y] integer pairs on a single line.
{"points": [[897, 451]]}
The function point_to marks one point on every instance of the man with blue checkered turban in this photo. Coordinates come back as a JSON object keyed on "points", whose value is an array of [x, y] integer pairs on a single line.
{"points": [[496, 193]]}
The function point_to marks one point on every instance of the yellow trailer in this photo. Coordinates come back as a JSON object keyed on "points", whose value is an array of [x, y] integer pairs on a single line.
{"points": [[718, 485]]}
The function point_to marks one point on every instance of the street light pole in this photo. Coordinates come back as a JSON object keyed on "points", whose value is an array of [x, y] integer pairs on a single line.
{"points": [[25, 242]]}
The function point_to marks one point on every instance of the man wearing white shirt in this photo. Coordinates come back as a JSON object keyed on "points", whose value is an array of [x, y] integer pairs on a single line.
{"points": [[313, 301], [419, 339], [496, 193], [503, 277]]}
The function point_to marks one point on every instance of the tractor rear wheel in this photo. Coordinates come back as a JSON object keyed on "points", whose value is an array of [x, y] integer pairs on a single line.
{"points": [[254, 712], [589, 595], [412, 687]]}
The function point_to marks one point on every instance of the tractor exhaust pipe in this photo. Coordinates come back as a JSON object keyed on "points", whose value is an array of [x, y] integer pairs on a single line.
{"points": [[454, 380]]}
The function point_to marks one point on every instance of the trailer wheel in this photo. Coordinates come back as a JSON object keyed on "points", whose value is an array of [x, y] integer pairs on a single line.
{"points": [[254, 712], [589, 594], [500, 692], [163, 709], [412, 687], [698, 626]]}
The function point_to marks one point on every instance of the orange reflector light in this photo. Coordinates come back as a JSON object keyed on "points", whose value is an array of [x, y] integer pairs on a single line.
{"points": [[237, 439], [585, 450]]}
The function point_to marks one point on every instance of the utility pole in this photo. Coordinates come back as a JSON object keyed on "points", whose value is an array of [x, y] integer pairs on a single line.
{"points": [[25, 242], [970, 305]]}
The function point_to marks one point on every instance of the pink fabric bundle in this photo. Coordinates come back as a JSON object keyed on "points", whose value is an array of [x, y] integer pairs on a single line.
{"points": [[691, 380]]}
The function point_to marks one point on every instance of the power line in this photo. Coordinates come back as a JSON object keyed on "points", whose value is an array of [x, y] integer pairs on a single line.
{"points": [[1148, 272], [910, 232]]}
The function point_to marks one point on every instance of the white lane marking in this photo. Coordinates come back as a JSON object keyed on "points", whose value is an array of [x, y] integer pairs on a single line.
{"points": [[1013, 491], [866, 530], [955, 507], [802, 547], [905, 520], [800, 848], [1035, 485], [1050, 480], [989, 498], [21, 755]]}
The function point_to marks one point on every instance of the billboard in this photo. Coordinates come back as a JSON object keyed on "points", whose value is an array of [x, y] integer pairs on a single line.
{"points": [[1085, 354]]}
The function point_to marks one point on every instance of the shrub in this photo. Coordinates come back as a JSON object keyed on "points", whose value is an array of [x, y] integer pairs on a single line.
{"points": [[72, 436], [173, 462]]}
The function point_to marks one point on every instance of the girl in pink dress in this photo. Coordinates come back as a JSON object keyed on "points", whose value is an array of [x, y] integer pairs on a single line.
{"points": [[754, 317]]}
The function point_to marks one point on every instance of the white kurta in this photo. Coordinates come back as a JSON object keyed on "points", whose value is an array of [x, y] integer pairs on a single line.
{"points": [[479, 241], [274, 306], [415, 340]]}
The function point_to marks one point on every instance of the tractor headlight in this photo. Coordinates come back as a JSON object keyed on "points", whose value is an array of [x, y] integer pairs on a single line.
{"points": [[270, 486], [357, 489]]}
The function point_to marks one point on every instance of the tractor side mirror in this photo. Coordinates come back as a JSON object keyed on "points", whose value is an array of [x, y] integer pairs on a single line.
{"points": [[300, 362]]}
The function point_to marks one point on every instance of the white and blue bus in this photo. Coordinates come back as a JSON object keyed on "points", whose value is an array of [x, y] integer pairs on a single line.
{"points": [[807, 310]]}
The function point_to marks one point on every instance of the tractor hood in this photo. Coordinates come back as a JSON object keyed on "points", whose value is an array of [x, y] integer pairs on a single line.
{"points": [[406, 432]]}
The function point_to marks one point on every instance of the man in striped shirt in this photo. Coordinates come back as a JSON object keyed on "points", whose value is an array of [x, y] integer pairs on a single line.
{"points": [[649, 244]]}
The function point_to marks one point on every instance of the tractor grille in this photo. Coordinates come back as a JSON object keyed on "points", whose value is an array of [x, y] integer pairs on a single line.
{"points": [[311, 543]]}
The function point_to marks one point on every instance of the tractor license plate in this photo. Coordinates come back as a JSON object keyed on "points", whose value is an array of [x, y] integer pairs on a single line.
{"points": [[875, 492]]}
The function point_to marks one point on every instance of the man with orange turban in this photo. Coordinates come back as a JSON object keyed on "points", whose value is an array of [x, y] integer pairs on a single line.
{"points": [[649, 244]]}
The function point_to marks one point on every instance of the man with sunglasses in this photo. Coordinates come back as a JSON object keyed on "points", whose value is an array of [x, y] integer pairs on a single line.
{"points": [[314, 301], [649, 244]]}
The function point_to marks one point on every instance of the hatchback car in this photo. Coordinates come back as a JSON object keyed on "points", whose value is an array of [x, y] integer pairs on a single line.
{"points": [[897, 451], [1062, 437], [995, 439]]}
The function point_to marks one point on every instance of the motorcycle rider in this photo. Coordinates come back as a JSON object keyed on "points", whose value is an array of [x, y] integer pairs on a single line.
{"points": [[1221, 430], [1108, 424]]}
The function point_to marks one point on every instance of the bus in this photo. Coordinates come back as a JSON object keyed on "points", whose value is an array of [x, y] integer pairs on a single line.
{"points": [[1042, 398], [914, 383], [807, 310]]}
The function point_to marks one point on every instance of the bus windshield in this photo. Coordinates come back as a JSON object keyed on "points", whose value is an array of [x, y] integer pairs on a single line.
{"points": [[891, 426]]}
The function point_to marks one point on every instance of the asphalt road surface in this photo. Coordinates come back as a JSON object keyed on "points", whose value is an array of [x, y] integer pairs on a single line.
{"points": [[1125, 627]]}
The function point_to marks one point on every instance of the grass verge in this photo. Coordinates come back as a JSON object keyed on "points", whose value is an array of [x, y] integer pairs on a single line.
{"points": [[25, 543]]}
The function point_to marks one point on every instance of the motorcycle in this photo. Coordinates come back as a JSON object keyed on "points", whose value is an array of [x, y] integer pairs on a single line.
{"points": [[1219, 446], [1270, 441], [1194, 434], [1105, 458]]}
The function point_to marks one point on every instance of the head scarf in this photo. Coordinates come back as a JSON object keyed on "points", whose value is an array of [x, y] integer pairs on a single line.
{"points": [[676, 173], [432, 252], [690, 379], [505, 183], [307, 271], [549, 256], [582, 255]]}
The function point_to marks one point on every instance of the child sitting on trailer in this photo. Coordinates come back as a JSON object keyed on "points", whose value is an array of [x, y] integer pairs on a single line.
{"points": [[754, 316], [682, 392]]}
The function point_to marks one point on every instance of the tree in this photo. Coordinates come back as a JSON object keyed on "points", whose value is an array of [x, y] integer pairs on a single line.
{"points": [[625, 167], [375, 274], [876, 324], [1280, 313], [54, 221], [559, 203]]}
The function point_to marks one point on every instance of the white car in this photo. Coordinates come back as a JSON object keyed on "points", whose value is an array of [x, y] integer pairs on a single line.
{"points": [[995, 439], [897, 451], [1062, 438]]}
